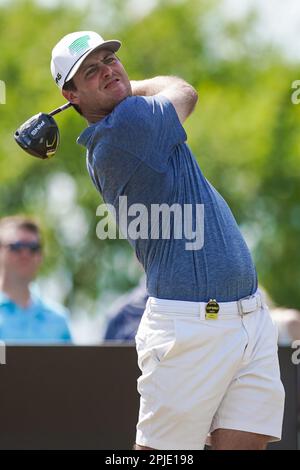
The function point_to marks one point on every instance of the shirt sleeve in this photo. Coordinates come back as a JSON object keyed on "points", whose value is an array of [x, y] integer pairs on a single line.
{"points": [[148, 128]]}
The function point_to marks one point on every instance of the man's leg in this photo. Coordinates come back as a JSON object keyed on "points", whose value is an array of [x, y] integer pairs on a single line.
{"points": [[229, 439]]}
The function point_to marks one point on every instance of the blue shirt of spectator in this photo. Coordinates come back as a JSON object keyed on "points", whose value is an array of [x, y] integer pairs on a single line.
{"points": [[39, 322]]}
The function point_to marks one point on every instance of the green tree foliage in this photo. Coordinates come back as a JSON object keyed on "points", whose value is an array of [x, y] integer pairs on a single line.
{"points": [[243, 132]]}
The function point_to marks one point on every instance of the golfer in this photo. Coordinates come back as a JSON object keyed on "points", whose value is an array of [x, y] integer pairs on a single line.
{"points": [[207, 347]]}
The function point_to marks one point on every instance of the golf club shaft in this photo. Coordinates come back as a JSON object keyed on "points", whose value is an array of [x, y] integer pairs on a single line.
{"points": [[61, 108]]}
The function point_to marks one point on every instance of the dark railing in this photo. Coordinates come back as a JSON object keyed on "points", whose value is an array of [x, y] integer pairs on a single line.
{"points": [[84, 397]]}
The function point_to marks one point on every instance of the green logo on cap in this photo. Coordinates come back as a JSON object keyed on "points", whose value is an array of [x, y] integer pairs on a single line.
{"points": [[79, 45]]}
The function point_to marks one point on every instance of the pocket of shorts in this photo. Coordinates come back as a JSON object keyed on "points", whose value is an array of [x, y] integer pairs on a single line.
{"points": [[155, 341]]}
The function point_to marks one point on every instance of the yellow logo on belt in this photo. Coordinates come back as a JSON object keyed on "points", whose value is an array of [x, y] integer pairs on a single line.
{"points": [[212, 308]]}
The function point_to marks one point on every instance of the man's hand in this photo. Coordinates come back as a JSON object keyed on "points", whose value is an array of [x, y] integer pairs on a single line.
{"points": [[182, 95]]}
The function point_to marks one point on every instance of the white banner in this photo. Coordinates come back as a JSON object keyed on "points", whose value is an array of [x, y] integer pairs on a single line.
{"points": [[2, 93]]}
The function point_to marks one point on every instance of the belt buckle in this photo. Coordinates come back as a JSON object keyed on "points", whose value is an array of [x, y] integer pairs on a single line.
{"points": [[240, 305], [212, 308]]}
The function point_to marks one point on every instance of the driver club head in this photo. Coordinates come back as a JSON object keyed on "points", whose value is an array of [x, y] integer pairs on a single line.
{"points": [[38, 136]]}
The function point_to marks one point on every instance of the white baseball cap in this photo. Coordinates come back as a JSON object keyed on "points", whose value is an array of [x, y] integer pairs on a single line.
{"points": [[72, 49]]}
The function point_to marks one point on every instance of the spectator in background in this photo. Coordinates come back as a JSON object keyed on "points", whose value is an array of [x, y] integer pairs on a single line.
{"points": [[24, 316], [286, 319], [125, 314], [288, 322]]}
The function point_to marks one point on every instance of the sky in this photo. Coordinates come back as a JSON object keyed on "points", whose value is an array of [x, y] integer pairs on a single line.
{"points": [[279, 21]]}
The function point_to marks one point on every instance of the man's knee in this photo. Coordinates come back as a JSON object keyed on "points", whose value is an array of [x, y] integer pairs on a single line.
{"points": [[229, 439]]}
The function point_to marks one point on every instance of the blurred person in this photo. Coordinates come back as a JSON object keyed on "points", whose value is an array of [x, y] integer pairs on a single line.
{"points": [[206, 343], [24, 316], [286, 320], [124, 316], [288, 323]]}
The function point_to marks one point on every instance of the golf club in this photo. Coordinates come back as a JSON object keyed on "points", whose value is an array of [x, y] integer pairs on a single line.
{"points": [[39, 135]]}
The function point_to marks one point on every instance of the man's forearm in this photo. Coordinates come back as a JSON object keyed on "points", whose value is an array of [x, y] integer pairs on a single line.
{"points": [[152, 86], [182, 95]]}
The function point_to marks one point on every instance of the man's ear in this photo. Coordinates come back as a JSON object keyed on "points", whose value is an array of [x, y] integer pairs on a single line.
{"points": [[70, 96]]}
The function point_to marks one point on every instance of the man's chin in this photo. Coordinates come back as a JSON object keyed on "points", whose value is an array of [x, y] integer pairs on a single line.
{"points": [[123, 95], [119, 100], [103, 111]]}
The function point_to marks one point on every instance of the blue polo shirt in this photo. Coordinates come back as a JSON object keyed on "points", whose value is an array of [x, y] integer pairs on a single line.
{"points": [[139, 153], [38, 323]]}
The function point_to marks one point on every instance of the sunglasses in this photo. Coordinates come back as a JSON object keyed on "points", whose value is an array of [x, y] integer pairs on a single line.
{"points": [[33, 247]]}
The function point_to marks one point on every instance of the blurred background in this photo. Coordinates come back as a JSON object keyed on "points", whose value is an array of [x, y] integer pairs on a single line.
{"points": [[242, 57]]}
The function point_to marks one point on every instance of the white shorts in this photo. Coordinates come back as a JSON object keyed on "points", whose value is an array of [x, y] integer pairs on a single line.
{"points": [[201, 374]]}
